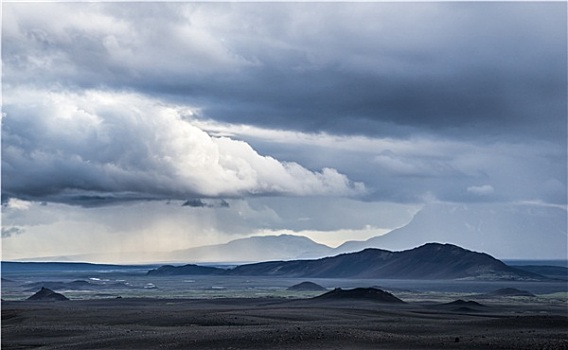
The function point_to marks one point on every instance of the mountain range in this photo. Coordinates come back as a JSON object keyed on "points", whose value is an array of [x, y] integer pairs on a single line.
{"points": [[505, 231], [527, 231], [429, 261]]}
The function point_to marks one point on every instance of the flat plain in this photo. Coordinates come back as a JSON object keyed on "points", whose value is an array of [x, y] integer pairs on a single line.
{"points": [[280, 323]]}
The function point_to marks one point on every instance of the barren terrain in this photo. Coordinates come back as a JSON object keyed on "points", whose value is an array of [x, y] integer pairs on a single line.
{"points": [[264, 323]]}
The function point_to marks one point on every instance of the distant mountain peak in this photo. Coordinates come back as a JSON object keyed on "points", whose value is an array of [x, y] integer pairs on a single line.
{"points": [[504, 230], [255, 248]]}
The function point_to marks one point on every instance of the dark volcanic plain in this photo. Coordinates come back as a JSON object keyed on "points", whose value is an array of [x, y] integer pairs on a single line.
{"points": [[264, 323], [451, 307]]}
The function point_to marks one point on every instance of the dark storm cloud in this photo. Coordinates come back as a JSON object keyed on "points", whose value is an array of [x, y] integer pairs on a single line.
{"points": [[483, 73], [194, 203], [493, 75], [199, 203], [455, 69]]}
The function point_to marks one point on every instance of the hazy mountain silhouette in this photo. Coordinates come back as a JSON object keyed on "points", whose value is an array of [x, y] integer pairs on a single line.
{"points": [[506, 231], [430, 261], [259, 248], [528, 231]]}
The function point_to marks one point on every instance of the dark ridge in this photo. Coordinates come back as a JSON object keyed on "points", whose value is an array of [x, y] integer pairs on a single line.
{"points": [[430, 261], [372, 294], [307, 286], [510, 292], [13, 266], [47, 295], [77, 285], [190, 269], [557, 272]]}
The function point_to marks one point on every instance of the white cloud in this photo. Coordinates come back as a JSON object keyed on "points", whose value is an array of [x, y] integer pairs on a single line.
{"points": [[445, 167], [125, 145], [18, 204]]}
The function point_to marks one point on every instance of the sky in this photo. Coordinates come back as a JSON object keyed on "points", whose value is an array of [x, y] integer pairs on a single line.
{"points": [[149, 127]]}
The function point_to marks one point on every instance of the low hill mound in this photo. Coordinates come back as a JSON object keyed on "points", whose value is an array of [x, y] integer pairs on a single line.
{"points": [[463, 303], [47, 295], [306, 287], [372, 294], [461, 306]]}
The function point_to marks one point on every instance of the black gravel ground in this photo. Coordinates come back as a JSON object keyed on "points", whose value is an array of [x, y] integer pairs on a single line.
{"points": [[277, 324]]}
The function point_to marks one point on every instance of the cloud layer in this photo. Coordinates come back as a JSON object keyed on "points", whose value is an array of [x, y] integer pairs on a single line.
{"points": [[459, 79], [218, 120], [454, 69], [98, 147]]}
